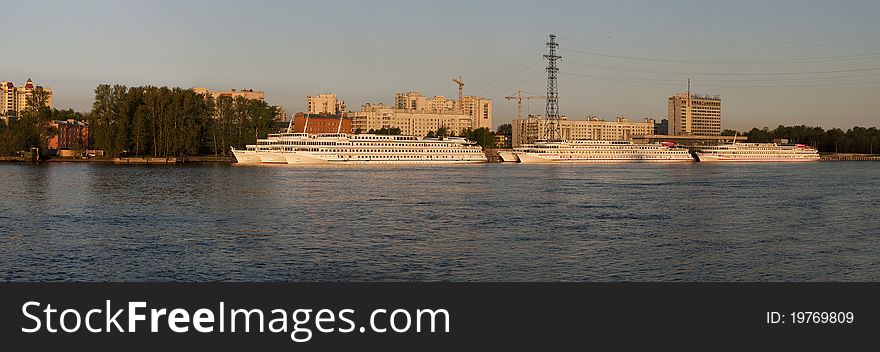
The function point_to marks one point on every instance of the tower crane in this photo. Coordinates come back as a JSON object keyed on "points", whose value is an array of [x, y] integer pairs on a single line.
{"points": [[519, 98], [460, 88]]}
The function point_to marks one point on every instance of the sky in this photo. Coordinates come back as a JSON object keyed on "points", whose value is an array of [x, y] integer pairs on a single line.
{"points": [[773, 62]]}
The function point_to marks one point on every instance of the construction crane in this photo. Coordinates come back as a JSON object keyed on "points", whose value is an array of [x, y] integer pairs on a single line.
{"points": [[460, 88], [519, 98]]}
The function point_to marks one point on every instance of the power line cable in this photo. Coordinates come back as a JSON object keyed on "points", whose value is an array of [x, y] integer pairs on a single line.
{"points": [[678, 82], [733, 62], [734, 74], [741, 46]]}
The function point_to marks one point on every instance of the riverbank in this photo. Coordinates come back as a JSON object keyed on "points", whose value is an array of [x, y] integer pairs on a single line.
{"points": [[127, 160], [15, 159], [850, 157]]}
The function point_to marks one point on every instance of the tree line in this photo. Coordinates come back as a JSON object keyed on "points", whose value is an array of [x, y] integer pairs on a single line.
{"points": [[835, 140], [161, 122], [166, 122]]}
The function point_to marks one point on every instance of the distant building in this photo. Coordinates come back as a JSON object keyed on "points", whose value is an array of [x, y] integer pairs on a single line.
{"points": [[693, 114], [244, 93], [478, 108], [662, 127], [528, 130], [502, 140], [14, 100], [410, 101], [411, 122], [7, 98], [69, 134], [308, 123], [325, 104], [372, 117], [280, 114]]}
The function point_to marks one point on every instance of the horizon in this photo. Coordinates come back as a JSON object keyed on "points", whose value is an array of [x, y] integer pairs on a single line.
{"points": [[815, 65]]}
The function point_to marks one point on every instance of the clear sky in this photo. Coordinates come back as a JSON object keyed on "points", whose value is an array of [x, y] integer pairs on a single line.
{"points": [[773, 62]]}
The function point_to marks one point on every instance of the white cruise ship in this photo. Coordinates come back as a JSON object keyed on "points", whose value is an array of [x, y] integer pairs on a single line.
{"points": [[590, 151], [757, 152], [341, 148]]}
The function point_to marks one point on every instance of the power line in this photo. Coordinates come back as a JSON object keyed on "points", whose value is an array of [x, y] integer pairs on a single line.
{"points": [[504, 69], [678, 82], [734, 74], [767, 45], [508, 78], [734, 62]]}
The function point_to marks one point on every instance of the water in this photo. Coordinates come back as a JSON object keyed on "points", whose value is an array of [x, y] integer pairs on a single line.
{"points": [[490, 222]]}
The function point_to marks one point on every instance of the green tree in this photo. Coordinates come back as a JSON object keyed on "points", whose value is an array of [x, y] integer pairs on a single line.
{"points": [[35, 121], [483, 136]]}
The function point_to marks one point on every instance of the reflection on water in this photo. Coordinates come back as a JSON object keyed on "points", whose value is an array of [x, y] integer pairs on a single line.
{"points": [[492, 222]]}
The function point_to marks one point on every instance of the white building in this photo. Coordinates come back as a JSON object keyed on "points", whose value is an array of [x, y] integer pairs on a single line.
{"points": [[527, 130]]}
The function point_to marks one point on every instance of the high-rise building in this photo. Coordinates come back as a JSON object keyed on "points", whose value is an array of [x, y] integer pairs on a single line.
{"points": [[479, 109], [325, 104], [14, 100], [527, 130], [410, 101], [7, 98], [25, 91], [695, 114]]}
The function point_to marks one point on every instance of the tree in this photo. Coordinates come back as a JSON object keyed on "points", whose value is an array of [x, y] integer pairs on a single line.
{"points": [[506, 129], [483, 136], [35, 122]]}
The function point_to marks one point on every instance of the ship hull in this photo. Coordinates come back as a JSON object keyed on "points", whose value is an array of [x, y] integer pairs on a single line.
{"points": [[273, 158], [715, 158], [508, 156], [555, 159], [248, 157], [307, 158]]}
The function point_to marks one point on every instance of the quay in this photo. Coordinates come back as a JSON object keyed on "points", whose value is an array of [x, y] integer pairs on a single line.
{"points": [[849, 157], [492, 155]]}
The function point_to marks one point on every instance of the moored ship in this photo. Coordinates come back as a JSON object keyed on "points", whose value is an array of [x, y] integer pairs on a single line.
{"points": [[757, 152], [599, 151], [341, 148]]}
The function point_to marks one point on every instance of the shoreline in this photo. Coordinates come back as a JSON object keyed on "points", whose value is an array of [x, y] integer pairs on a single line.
{"points": [[491, 154], [138, 160]]}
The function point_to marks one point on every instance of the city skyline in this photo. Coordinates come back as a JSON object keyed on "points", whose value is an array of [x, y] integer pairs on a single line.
{"points": [[786, 62]]}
